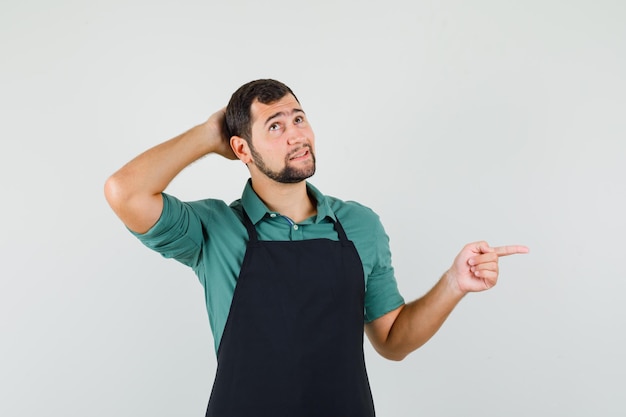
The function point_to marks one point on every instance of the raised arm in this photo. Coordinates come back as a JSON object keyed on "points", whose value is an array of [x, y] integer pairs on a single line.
{"points": [[400, 332], [134, 191]]}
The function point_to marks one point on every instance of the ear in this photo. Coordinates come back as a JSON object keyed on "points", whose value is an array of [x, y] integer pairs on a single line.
{"points": [[241, 149]]}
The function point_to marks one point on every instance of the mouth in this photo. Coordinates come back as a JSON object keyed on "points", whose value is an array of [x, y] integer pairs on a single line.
{"points": [[300, 154]]}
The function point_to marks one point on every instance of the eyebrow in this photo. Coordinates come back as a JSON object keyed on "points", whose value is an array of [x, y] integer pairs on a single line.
{"points": [[282, 113]]}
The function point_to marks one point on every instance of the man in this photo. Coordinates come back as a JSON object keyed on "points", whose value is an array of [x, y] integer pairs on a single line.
{"points": [[290, 275]]}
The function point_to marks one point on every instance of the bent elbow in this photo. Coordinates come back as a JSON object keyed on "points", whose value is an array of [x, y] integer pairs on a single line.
{"points": [[114, 191], [396, 357], [392, 355]]}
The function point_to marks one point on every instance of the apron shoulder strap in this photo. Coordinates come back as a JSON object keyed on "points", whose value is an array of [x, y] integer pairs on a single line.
{"points": [[249, 227], [342, 234]]}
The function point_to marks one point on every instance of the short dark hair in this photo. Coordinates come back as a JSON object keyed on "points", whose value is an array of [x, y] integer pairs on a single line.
{"points": [[238, 118]]}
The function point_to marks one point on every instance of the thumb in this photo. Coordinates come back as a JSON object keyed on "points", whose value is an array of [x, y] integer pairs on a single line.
{"points": [[483, 247]]}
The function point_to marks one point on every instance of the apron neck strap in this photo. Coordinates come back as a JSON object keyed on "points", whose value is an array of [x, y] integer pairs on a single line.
{"points": [[339, 228], [250, 227], [254, 237]]}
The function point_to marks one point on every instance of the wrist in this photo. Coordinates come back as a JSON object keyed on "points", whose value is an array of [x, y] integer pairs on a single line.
{"points": [[199, 137], [213, 139], [451, 282]]}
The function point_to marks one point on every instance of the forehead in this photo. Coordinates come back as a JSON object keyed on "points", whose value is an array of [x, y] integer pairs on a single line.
{"points": [[262, 112]]}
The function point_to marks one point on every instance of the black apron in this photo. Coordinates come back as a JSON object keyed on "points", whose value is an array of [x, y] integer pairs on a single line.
{"points": [[293, 341]]}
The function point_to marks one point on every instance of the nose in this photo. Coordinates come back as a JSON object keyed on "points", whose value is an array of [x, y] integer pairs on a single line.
{"points": [[295, 135]]}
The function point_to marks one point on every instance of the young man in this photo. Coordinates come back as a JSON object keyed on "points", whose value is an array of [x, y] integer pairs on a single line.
{"points": [[291, 276]]}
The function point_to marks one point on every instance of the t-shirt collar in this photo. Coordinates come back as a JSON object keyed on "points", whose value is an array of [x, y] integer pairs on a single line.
{"points": [[257, 210]]}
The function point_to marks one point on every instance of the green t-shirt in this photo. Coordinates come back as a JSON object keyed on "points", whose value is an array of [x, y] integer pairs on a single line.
{"points": [[209, 236]]}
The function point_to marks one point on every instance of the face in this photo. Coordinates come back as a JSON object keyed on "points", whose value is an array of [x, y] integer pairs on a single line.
{"points": [[282, 143]]}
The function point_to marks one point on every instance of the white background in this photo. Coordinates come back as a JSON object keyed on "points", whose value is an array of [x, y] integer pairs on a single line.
{"points": [[454, 120]]}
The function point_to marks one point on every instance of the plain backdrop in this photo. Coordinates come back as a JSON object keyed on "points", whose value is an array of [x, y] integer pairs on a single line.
{"points": [[455, 121]]}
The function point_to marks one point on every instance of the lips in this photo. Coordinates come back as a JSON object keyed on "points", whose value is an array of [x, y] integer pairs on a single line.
{"points": [[299, 153]]}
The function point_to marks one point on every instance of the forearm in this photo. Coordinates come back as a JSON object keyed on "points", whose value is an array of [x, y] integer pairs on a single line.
{"points": [[419, 320], [153, 170], [400, 332]]}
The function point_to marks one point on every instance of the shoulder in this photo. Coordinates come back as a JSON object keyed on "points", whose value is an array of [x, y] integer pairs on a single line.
{"points": [[328, 205], [361, 223], [349, 210], [365, 229]]}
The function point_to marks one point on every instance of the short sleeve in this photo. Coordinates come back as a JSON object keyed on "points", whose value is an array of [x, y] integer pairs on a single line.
{"points": [[364, 228], [382, 294], [178, 233]]}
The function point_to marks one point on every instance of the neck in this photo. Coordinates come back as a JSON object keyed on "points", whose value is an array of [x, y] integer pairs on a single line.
{"points": [[291, 200]]}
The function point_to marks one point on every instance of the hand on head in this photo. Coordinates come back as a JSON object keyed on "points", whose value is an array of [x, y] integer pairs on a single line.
{"points": [[216, 134]]}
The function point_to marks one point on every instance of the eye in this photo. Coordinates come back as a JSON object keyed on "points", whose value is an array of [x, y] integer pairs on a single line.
{"points": [[274, 126], [299, 119]]}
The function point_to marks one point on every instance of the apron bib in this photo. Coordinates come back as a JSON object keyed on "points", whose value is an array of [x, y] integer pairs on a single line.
{"points": [[293, 341]]}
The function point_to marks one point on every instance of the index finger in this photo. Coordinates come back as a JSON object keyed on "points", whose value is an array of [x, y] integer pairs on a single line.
{"points": [[510, 250]]}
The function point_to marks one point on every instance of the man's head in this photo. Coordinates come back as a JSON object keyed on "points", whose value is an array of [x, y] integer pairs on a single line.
{"points": [[270, 133], [238, 121]]}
